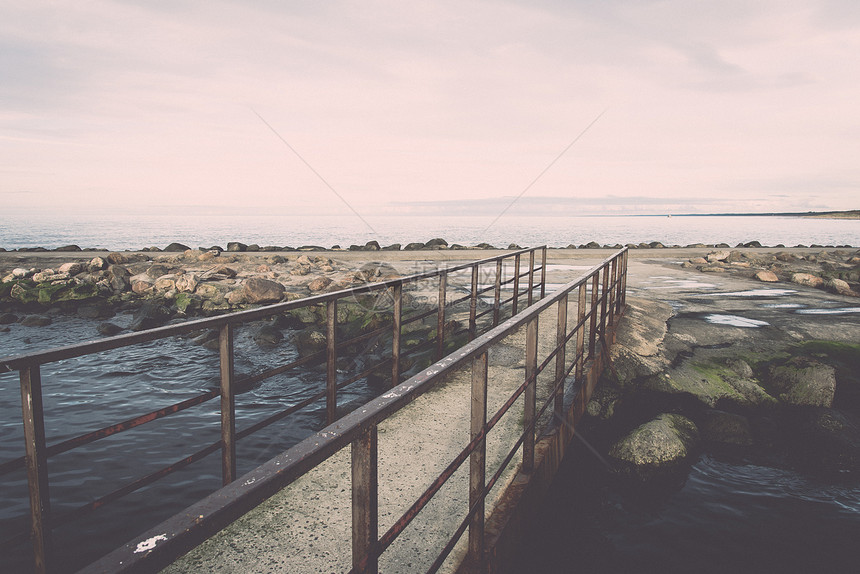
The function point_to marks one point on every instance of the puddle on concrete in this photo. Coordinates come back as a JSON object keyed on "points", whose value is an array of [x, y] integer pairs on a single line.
{"points": [[834, 311], [783, 305], [753, 293], [734, 321]]}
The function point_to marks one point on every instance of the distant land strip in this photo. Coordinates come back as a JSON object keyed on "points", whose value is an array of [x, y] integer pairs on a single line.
{"points": [[851, 214]]}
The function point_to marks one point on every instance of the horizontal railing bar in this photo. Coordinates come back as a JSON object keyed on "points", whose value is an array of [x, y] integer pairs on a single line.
{"points": [[16, 362], [136, 485], [279, 415]]}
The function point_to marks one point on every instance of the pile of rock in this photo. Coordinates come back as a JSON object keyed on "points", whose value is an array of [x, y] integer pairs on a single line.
{"points": [[836, 271]]}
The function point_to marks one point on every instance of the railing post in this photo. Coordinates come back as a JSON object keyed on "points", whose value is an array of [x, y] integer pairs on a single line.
{"points": [[365, 501], [543, 272], [516, 284], [561, 344], [531, 275], [440, 320], [612, 290], [477, 460], [530, 395], [603, 301], [580, 333], [228, 405], [397, 292], [622, 285], [497, 299], [331, 361], [473, 305], [37, 466], [592, 323]]}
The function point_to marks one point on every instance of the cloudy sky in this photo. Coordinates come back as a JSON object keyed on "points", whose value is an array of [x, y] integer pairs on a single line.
{"points": [[682, 105]]}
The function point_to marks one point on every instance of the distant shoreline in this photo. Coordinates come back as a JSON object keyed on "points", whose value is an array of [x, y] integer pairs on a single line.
{"points": [[851, 214]]}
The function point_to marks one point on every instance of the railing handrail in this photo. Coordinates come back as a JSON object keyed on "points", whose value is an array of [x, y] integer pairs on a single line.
{"points": [[28, 365], [183, 531], [16, 362]]}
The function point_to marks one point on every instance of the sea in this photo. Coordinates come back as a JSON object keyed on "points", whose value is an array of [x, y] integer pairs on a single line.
{"points": [[729, 515], [131, 231]]}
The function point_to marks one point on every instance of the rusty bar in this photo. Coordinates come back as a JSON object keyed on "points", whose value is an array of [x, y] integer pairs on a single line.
{"points": [[473, 305], [531, 276], [530, 395], [561, 342], [580, 333], [603, 301], [37, 466], [592, 325], [440, 320], [365, 501], [516, 284], [543, 272], [331, 361], [498, 293], [396, 332], [228, 405], [477, 461], [622, 285], [612, 289]]}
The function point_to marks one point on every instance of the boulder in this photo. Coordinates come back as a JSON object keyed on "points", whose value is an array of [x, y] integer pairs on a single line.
{"points": [[116, 258], [141, 283], [718, 256], [72, 268], [807, 280], [725, 428], [655, 447], [415, 246], [262, 291], [437, 243], [268, 336], [187, 283], [108, 329], [96, 264], [36, 321], [235, 247], [766, 276], [8, 318], [118, 277], [310, 341], [372, 246], [829, 441], [149, 316], [177, 248], [68, 248], [803, 381], [319, 284], [841, 287]]}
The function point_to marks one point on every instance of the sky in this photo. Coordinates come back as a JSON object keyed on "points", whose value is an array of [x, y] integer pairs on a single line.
{"points": [[614, 106]]}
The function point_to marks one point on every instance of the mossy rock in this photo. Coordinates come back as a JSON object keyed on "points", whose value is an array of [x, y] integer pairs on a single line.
{"points": [[655, 447], [712, 384], [803, 381]]}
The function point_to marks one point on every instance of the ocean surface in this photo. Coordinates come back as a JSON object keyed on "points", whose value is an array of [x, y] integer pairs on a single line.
{"points": [[123, 231]]}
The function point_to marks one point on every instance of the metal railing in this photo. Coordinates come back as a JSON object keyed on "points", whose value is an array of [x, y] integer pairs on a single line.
{"points": [[586, 333], [527, 286]]}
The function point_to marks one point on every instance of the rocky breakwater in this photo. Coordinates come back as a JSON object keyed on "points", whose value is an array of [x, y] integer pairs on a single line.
{"points": [[837, 270], [673, 393]]}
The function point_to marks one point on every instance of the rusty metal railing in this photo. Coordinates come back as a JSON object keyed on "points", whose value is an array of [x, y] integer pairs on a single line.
{"points": [[573, 379], [38, 451]]}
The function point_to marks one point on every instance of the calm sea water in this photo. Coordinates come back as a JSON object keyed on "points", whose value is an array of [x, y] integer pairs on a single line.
{"points": [[131, 231]]}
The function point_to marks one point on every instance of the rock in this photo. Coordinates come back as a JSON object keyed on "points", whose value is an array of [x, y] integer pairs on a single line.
{"points": [[118, 277], [740, 367], [591, 245], [766, 276], [725, 428], [219, 272], [392, 247], [319, 284], [310, 341], [187, 302], [235, 247], [372, 246], [656, 245], [437, 243], [68, 248], [699, 261], [8, 318], [656, 446], [72, 268], [807, 280], [840, 287], [36, 321], [711, 384], [268, 336], [262, 291], [718, 256], [158, 270], [177, 248], [803, 381], [95, 311], [149, 316], [108, 329], [829, 441], [414, 247], [96, 264], [116, 258], [187, 283], [141, 283], [235, 297]]}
